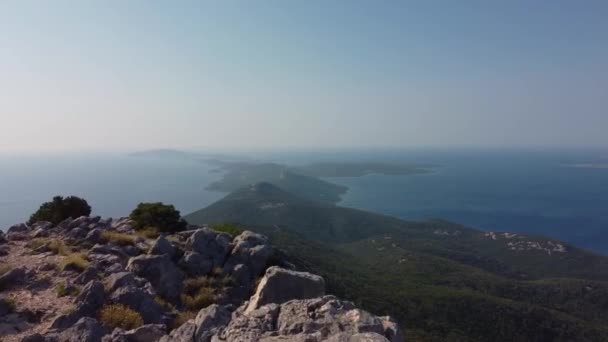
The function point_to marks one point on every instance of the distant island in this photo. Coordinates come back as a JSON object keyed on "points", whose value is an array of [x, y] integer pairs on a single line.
{"points": [[349, 169], [305, 181], [589, 165]]}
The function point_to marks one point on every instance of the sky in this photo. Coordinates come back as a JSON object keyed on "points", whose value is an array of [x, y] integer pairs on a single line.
{"points": [[130, 75]]}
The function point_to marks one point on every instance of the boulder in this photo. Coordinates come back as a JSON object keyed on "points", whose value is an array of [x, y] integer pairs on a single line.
{"points": [[17, 236], [89, 274], [18, 228], [163, 246], [184, 333], [211, 245], [14, 277], [82, 221], [77, 233], [120, 279], [164, 276], [91, 299], [86, 329], [195, 264], [94, 236], [44, 225], [280, 285], [312, 320], [140, 301], [209, 321], [146, 333], [2, 238], [252, 250]]}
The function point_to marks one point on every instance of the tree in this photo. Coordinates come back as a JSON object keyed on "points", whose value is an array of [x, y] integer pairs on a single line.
{"points": [[60, 209], [164, 217]]}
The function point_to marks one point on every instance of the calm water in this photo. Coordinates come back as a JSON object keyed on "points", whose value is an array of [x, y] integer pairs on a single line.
{"points": [[528, 192], [113, 185], [521, 191]]}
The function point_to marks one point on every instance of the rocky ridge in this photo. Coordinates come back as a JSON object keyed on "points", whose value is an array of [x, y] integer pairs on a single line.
{"points": [[192, 286]]}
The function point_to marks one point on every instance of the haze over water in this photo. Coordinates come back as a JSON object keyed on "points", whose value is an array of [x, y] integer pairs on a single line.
{"points": [[527, 191]]}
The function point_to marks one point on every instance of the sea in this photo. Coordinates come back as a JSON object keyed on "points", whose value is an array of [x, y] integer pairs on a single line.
{"points": [[561, 193]]}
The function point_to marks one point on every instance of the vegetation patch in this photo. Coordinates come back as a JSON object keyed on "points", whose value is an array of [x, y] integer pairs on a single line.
{"points": [[120, 316], [75, 261], [165, 304], [164, 217], [36, 243], [60, 209], [59, 247], [149, 232], [181, 318], [203, 291], [228, 228], [121, 239], [62, 290], [5, 268]]}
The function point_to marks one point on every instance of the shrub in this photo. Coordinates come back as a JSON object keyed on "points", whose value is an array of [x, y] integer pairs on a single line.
{"points": [[75, 261], [149, 232], [227, 228], [120, 316], [201, 299], [118, 238], [164, 217], [60, 209]]}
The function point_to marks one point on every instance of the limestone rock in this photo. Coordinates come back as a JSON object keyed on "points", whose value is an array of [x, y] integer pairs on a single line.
{"points": [[146, 333], [164, 276], [209, 320], [195, 264], [12, 278], [18, 228], [211, 245], [85, 330], [280, 285], [163, 246], [185, 333]]}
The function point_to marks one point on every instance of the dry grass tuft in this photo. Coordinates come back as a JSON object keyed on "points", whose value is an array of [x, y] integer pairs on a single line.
{"points": [[59, 247], [36, 243], [182, 318], [204, 297], [75, 261], [5, 268], [118, 238], [148, 232], [120, 316]]}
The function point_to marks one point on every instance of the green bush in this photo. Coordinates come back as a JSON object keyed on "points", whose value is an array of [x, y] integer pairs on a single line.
{"points": [[60, 209], [162, 216]]}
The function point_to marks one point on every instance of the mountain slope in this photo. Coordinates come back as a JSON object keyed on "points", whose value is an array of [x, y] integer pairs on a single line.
{"points": [[512, 255], [441, 280]]}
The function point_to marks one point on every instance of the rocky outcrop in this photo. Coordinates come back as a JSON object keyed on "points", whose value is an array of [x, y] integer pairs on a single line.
{"points": [[280, 285], [163, 278], [162, 273]]}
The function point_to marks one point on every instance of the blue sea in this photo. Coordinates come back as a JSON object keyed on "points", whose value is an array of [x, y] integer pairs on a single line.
{"points": [[528, 191]]}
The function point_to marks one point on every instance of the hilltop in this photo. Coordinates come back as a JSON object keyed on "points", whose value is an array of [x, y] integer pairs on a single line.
{"points": [[443, 281], [92, 279]]}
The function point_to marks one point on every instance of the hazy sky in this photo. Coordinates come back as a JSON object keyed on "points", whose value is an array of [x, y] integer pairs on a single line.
{"points": [[92, 75]]}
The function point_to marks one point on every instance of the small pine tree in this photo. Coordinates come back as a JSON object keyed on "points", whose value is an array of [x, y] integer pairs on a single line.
{"points": [[60, 209], [161, 216]]}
